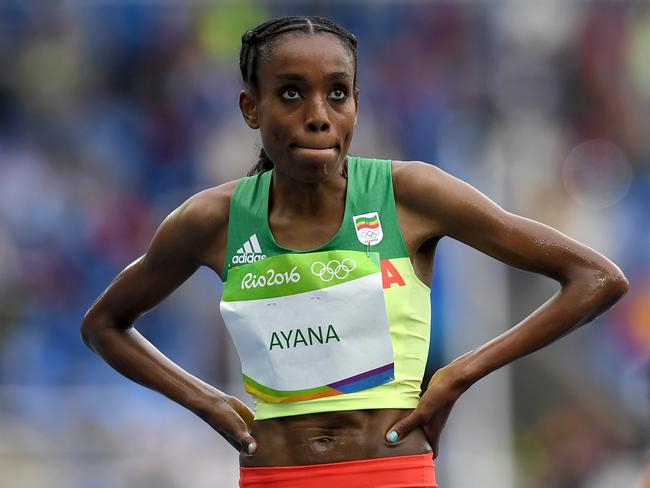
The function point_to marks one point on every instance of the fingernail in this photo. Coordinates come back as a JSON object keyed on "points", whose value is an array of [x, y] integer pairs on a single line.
{"points": [[249, 448], [392, 437]]}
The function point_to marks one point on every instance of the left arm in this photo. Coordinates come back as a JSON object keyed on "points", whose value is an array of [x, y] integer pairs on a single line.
{"points": [[590, 283]]}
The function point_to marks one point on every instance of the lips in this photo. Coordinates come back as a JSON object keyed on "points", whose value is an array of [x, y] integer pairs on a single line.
{"points": [[315, 147]]}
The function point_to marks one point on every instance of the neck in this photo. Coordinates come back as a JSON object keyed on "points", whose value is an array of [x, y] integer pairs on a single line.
{"points": [[294, 198]]}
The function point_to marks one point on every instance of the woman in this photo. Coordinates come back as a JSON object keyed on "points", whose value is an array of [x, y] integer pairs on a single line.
{"points": [[327, 260]]}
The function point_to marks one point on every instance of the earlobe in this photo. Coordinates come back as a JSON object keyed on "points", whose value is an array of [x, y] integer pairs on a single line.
{"points": [[248, 109]]}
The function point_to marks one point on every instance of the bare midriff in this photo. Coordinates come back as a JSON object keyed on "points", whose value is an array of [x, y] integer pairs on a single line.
{"points": [[331, 437]]}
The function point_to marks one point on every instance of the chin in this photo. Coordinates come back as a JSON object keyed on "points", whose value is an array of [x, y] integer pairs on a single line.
{"points": [[316, 167], [312, 173]]}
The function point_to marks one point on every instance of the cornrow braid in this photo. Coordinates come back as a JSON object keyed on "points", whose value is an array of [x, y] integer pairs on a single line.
{"points": [[257, 43]]}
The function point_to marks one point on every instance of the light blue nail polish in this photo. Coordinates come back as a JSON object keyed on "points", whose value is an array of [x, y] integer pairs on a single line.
{"points": [[392, 437], [249, 448]]}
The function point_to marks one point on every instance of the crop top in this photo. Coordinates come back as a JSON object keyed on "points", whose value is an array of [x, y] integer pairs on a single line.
{"points": [[344, 326]]}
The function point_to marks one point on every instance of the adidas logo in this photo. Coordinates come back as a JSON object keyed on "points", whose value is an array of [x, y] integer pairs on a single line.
{"points": [[249, 252]]}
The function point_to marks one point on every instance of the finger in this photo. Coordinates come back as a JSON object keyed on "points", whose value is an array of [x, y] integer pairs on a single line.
{"points": [[235, 428], [240, 438], [249, 444], [399, 430], [246, 441]]}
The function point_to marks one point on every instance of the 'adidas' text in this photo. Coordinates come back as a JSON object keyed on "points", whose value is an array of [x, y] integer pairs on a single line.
{"points": [[250, 252]]}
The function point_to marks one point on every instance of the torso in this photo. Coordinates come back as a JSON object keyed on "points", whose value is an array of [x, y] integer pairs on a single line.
{"points": [[331, 437], [335, 436]]}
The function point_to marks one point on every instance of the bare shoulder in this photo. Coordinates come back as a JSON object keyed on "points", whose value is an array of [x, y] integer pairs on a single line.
{"points": [[445, 205], [207, 211], [404, 168], [434, 196], [413, 180], [193, 229]]}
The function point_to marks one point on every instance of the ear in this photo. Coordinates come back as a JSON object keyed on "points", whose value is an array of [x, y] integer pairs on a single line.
{"points": [[248, 108]]}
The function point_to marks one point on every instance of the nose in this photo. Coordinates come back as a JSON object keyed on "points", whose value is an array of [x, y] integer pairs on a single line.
{"points": [[317, 118]]}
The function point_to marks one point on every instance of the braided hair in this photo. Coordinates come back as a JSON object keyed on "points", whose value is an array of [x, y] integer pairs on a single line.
{"points": [[257, 43]]}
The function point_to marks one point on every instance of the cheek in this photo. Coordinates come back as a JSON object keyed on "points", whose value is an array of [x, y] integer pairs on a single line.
{"points": [[346, 121], [276, 132], [270, 125]]}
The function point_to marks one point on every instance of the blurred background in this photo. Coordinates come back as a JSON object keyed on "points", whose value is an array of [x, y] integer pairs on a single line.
{"points": [[112, 113]]}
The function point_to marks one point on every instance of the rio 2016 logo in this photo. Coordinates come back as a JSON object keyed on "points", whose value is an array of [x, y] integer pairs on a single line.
{"points": [[270, 278], [333, 268]]}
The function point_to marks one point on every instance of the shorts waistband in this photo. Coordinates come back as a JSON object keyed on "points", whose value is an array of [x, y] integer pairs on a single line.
{"points": [[412, 471]]}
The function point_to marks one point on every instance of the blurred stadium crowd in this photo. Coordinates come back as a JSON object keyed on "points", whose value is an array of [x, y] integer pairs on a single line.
{"points": [[113, 113]]}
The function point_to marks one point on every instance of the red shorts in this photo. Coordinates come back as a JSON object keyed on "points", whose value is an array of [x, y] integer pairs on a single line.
{"points": [[416, 471]]}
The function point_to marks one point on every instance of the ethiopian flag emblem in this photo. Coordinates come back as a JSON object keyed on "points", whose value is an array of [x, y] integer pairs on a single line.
{"points": [[368, 228]]}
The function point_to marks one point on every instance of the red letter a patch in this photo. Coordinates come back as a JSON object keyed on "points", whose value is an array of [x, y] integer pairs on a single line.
{"points": [[390, 275]]}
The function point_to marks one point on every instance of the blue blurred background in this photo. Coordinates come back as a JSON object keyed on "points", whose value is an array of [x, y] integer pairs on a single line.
{"points": [[113, 113]]}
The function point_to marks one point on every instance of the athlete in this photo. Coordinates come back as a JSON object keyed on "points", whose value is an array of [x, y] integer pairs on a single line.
{"points": [[326, 260]]}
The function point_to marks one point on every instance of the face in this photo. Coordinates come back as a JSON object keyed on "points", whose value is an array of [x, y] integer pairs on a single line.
{"points": [[305, 105]]}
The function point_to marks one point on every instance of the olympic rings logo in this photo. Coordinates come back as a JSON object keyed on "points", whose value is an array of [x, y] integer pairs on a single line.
{"points": [[369, 234], [334, 268]]}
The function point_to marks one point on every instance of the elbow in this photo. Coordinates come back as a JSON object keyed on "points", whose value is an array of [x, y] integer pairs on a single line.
{"points": [[619, 284], [86, 331], [95, 325], [601, 289], [601, 286], [612, 285], [91, 324]]}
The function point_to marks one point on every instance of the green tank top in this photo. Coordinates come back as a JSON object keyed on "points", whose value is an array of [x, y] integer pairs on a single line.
{"points": [[344, 326]]}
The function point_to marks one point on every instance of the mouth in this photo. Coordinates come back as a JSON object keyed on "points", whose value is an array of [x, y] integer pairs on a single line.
{"points": [[314, 147]]}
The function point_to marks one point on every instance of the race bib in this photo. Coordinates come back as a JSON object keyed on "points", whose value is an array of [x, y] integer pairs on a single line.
{"points": [[309, 325]]}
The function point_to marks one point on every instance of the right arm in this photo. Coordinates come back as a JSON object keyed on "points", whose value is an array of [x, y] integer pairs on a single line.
{"points": [[182, 243]]}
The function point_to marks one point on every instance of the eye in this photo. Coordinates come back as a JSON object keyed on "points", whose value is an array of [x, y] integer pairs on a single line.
{"points": [[290, 94], [338, 94]]}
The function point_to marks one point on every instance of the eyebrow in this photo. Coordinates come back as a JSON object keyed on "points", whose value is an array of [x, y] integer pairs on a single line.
{"points": [[337, 75]]}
